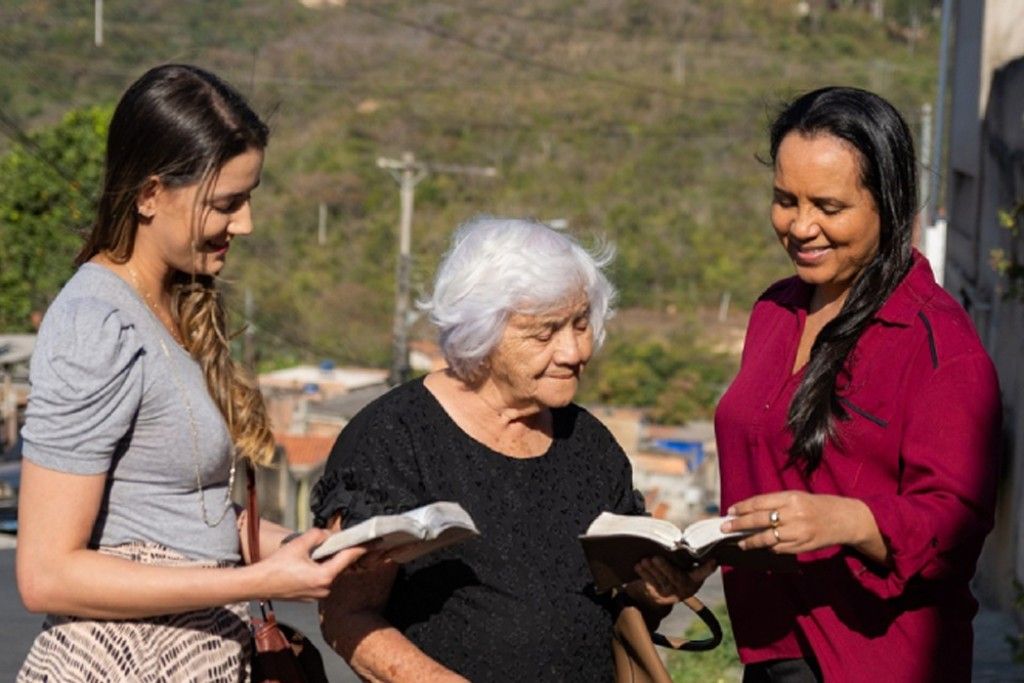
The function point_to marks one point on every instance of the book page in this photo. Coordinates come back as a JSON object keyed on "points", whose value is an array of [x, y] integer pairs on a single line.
{"points": [[661, 532], [437, 517], [409, 528], [703, 534], [391, 530]]}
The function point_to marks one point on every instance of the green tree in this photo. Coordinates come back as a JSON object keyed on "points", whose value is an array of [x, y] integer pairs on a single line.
{"points": [[676, 377], [48, 187]]}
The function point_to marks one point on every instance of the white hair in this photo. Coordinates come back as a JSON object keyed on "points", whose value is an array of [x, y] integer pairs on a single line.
{"points": [[500, 266]]}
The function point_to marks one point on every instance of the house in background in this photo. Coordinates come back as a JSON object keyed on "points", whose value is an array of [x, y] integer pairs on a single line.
{"points": [[15, 352], [308, 407], [986, 175], [675, 467]]}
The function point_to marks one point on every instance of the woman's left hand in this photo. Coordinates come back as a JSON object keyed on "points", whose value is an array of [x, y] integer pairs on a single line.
{"points": [[663, 583], [798, 522]]}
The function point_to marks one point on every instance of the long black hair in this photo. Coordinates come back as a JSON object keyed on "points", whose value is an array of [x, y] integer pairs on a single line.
{"points": [[888, 171]]}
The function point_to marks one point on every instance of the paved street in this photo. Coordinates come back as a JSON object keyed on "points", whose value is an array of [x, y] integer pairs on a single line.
{"points": [[18, 628]]}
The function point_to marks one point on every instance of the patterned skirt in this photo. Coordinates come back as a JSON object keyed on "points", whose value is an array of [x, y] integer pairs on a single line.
{"points": [[207, 645]]}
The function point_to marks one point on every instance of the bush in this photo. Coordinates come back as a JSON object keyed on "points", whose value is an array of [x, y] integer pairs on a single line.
{"points": [[676, 378]]}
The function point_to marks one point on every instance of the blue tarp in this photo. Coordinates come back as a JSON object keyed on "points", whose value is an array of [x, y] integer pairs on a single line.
{"points": [[691, 451]]}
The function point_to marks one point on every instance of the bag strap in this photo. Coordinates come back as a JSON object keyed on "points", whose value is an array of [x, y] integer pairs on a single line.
{"points": [[252, 523], [252, 513], [703, 613]]}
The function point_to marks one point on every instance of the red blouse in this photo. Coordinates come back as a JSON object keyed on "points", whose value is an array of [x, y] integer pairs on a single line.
{"points": [[920, 447]]}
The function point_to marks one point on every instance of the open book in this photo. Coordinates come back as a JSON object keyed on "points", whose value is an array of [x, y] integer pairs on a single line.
{"points": [[614, 543], [413, 533]]}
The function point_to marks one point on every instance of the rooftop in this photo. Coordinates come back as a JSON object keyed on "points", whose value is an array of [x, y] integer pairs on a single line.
{"points": [[304, 451], [328, 379]]}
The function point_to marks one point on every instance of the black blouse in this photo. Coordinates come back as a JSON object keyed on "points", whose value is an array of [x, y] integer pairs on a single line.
{"points": [[516, 603]]}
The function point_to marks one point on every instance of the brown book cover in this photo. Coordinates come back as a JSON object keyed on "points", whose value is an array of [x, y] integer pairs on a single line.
{"points": [[612, 556]]}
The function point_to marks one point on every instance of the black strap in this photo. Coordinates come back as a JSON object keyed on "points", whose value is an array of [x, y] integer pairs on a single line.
{"points": [[703, 613]]}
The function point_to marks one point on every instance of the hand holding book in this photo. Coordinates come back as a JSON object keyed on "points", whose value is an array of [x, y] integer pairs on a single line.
{"points": [[614, 544], [405, 536], [665, 583]]}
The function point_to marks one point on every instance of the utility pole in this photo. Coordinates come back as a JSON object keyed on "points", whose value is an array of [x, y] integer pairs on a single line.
{"points": [[98, 23], [249, 337], [408, 172], [878, 10], [938, 131], [924, 181], [9, 411], [679, 64], [321, 228]]}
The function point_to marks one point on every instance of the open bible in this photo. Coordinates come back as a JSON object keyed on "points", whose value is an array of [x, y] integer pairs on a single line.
{"points": [[410, 534], [613, 544]]}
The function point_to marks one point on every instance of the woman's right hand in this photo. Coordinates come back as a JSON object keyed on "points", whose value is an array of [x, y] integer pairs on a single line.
{"points": [[290, 574], [663, 584]]}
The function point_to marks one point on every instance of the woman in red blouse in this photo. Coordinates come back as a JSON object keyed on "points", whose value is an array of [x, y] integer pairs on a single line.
{"points": [[861, 432]]}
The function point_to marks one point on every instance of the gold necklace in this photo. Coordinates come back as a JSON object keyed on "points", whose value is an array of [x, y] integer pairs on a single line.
{"points": [[195, 451], [163, 317], [188, 408]]}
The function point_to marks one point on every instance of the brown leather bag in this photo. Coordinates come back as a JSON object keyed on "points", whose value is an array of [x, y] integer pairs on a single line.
{"points": [[633, 643], [281, 654]]}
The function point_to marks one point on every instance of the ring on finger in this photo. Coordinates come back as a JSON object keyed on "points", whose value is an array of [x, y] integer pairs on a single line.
{"points": [[775, 532], [773, 518]]}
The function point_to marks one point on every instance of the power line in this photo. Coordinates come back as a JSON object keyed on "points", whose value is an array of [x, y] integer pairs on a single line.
{"points": [[12, 130], [275, 275], [549, 19], [408, 172], [533, 63]]}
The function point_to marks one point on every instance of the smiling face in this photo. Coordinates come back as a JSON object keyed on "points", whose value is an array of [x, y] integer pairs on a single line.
{"points": [[825, 218], [190, 228], [540, 357]]}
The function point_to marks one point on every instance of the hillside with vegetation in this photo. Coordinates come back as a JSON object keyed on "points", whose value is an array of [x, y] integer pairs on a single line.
{"points": [[637, 122]]}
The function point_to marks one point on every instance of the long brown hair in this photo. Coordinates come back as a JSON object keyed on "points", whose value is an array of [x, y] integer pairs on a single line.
{"points": [[181, 124]]}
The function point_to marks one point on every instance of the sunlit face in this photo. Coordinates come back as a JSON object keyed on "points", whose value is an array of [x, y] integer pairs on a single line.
{"points": [[191, 227], [825, 218], [540, 356]]}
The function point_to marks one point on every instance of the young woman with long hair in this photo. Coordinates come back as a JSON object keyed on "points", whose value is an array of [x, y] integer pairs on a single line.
{"points": [[138, 416]]}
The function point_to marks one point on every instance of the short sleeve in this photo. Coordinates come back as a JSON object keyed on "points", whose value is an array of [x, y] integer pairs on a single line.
{"points": [[371, 471], [86, 387]]}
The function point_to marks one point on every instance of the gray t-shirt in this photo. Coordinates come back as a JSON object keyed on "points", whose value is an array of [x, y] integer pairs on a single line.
{"points": [[111, 392]]}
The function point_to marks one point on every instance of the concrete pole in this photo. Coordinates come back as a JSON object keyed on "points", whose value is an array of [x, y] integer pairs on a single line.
{"points": [[679, 65], [249, 338], [409, 172], [9, 412], [400, 332], [940, 113], [321, 227], [925, 157], [98, 23]]}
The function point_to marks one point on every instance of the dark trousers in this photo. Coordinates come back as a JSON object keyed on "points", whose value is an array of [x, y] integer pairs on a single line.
{"points": [[783, 671]]}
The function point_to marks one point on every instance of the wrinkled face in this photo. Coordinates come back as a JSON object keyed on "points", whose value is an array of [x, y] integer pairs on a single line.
{"points": [[825, 218], [191, 227], [540, 357]]}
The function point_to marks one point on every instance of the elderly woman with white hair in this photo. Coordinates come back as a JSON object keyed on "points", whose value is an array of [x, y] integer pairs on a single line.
{"points": [[520, 309]]}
